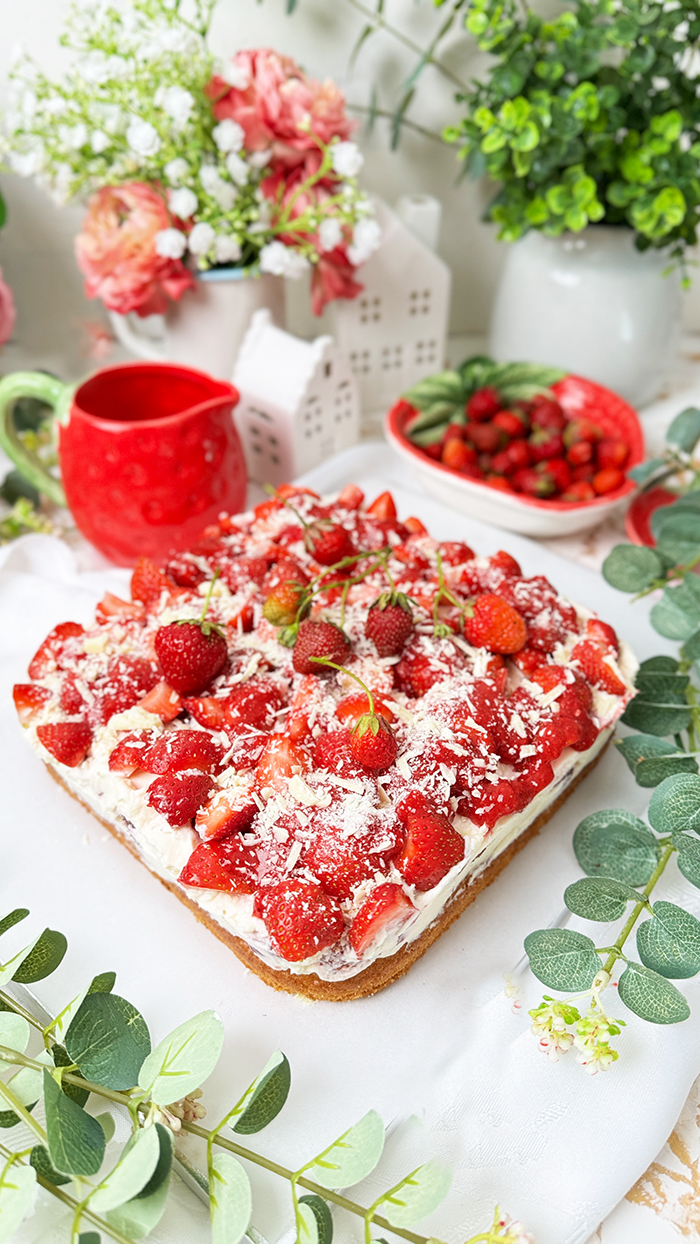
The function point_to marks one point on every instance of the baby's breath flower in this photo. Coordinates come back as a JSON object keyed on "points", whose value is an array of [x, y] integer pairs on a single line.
{"points": [[347, 159], [143, 138], [366, 237], [238, 170], [176, 170], [228, 135], [171, 243], [227, 248], [201, 239], [183, 202], [281, 260], [178, 103], [330, 233]]}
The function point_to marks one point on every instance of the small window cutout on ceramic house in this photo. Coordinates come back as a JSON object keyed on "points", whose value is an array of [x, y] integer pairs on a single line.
{"points": [[395, 332], [299, 402]]}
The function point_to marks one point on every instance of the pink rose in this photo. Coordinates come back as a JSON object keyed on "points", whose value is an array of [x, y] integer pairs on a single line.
{"points": [[116, 251], [333, 275], [273, 98], [7, 311]]}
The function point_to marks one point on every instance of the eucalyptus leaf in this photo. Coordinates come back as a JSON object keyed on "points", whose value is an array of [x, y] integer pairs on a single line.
{"points": [[43, 959], [675, 804], [89, 1237], [65, 1017], [669, 943], [688, 857], [184, 1059], [599, 898], [631, 567], [138, 1217], [661, 686], [17, 1195], [26, 1086], [230, 1200], [616, 844], [61, 1058], [104, 983], [652, 717], [417, 1195], [13, 918], [131, 1174], [677, 614], [640, 474], [106, 1122], [684, 430], [352, 1156], [264, 1098], [322, 1217], [651, 996], [678, 535], [109, 1040], [8, 969], [651, 759], [40, 1160], [76, 1140], [691, 647], [14, 1034], [562, 958], [307, 1226], [659, 665]]}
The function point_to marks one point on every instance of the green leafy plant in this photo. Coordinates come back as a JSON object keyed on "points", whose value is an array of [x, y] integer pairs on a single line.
{"points": [[590, 115], [100, 1046], [441, 399]]}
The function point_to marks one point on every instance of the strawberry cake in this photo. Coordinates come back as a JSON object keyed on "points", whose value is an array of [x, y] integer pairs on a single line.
{"points": [[325, 730]]}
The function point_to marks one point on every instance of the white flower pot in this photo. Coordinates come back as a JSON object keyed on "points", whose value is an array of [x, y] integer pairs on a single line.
{"points": [[206, 327], [592, 304]]}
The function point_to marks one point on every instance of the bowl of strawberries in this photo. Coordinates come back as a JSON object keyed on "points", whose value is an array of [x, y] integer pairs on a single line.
{"points": [[519, 445]]}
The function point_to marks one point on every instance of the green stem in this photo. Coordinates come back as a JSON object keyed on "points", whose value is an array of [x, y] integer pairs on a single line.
{"points": [[73, 1204], [380, 23], [389, 116], [638, 909], [207, 599], [20, 1010], [16, 1105], [342, 669]]}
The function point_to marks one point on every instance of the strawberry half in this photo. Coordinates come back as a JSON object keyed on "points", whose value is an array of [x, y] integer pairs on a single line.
{"points": [[29, 700], [228, 812], [598, 671], [230, 866], [163, 701], [387, 906], [341, 863], [131, 752], [183, 749], [279, 762], [327, 542], [48, 655], [67, 741], [432, 848], [178, 796], [300, 918], [148, 582]]}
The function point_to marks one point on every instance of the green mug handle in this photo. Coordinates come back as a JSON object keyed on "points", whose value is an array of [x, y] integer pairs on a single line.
{"points": [[47, 389]]}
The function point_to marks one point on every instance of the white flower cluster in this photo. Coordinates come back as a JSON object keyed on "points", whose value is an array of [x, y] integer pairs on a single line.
{"points": [[105, 124]]}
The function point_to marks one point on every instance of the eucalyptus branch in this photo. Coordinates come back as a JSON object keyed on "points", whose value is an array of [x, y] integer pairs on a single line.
{"points": [[366, 110], [616, 952], [379, 22], [15, 1104], [73, 1204]]}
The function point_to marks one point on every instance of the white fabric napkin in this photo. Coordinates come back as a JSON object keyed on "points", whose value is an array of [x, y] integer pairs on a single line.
{"points": [[441, 1054]]}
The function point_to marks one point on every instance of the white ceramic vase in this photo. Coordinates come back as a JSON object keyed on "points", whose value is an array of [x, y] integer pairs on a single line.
{"points": [[593, 304], [206, 327]]}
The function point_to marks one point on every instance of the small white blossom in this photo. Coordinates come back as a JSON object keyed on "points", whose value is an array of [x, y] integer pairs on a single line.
{"points": [[281, 260], [176, 170], [259, 159], [99, 141], [178, 104], [511, 1231], [201, 239], [171, 243], [227, 248], [347, 159], [221, 191], [183, 202], [74, 136], [228, 135], [238, 170], [55, 106], [366, 237], [330, 233], [26, 163], [237, 76], [142, 138]]}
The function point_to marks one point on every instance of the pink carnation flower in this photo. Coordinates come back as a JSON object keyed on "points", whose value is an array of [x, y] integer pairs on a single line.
{"points": [[7, 311], [273, 100], [116, 251]]}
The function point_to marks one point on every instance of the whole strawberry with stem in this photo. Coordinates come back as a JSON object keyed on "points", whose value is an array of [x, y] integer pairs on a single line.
{"points": [[284, 603], [491, 622], [389, 623], [372, 741], [316, 642], [192, 652]]}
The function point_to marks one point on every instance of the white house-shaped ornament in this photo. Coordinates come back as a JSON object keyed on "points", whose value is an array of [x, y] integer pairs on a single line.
{"points": [[299, 402], [395, 332]]}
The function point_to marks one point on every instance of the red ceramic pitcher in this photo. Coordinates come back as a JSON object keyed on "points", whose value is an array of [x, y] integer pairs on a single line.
{"points": [[149, 454]]}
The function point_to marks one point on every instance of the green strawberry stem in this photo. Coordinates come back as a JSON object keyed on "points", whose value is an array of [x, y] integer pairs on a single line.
{"points": [[342, 669], [445, 593], [217, 574]]}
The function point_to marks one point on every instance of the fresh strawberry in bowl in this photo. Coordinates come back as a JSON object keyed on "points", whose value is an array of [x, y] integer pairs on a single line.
{"points": [[519, 445]]}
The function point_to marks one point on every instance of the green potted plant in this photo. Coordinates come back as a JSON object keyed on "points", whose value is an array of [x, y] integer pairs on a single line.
{"points": [[587, 121]]}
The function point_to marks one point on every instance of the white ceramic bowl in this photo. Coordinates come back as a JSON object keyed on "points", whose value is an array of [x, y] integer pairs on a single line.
{"points": [[514, 511]]}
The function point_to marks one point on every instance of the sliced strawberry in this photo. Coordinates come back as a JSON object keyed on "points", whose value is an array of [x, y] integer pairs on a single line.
{"points": [[163, 701], [177, 796], [300, 918], [432, 848], [71, 700], [350, 497], [184, 571], [279, 762], [230, 811], [602, 633], [50, 654], [341, 863], [485, 805], [534, 776], [208, 710], [230, 866], [67, 741], [415, 526], [131, 751], [247, 746], [418, 671], [184, 749], [29, 700], [383, 506], [387, 907], [148, 582], [243, 620], [111, 607], [455, 553], [126, 681], [256, 703], [596, 668], [549, 676]]}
